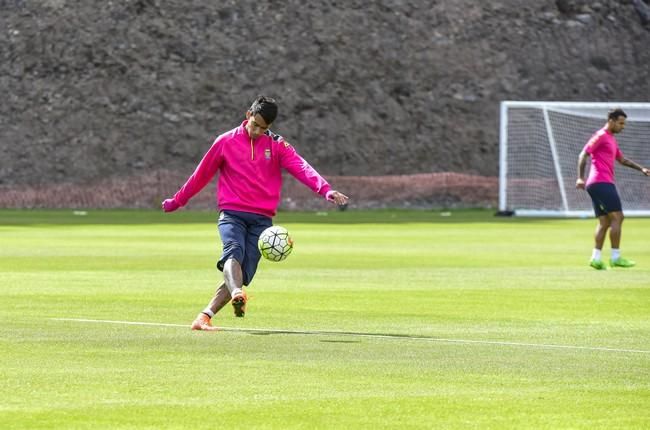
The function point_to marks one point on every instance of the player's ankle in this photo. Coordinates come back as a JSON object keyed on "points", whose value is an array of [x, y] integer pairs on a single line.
{"points": [[596, 254]]}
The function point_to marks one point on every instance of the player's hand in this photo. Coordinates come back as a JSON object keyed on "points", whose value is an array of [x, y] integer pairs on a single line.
{"points": [[646, 171], [170, 205], [338, 198], [580, 184]]}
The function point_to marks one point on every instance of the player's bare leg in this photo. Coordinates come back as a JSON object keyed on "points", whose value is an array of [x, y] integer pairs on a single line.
{"points": [[220, 299], [616, 225], [601, 231], [233, 277], [615, 233], [599, 239]]}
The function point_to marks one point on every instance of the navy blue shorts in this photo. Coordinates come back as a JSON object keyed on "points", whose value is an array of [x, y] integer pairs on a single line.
{"points": [[604, 198], [239, 233]]}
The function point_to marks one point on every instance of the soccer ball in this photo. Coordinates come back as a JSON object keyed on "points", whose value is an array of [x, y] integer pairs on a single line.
{"points": [[275, 244]]}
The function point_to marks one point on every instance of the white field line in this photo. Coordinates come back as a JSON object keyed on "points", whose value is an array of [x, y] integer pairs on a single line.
{"points": [[369, 335]]}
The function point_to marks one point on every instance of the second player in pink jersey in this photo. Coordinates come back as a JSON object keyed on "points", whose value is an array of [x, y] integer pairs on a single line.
{"points": [[604, 152]]}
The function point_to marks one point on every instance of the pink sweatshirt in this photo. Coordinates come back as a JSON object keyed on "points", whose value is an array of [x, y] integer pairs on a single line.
{"points": [[250, 178], [604, 150]]}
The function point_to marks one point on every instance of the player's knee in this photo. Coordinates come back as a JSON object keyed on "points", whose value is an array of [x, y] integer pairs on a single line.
{"points": [[603, 222], [617, 218]]}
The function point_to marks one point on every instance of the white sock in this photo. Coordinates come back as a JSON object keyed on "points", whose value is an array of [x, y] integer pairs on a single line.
{"points": [[208, 312], [595, 255], [616, 254], [236, 292]]}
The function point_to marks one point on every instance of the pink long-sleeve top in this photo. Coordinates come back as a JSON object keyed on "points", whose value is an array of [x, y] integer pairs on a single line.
{"points": [[250, 172]]}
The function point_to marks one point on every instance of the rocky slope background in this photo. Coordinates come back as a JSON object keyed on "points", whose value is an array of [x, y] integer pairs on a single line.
{"points": [[113, 103]]}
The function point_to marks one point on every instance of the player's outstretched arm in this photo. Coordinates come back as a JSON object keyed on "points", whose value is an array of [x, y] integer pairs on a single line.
{"points": [[204, 172], [629, 163]]}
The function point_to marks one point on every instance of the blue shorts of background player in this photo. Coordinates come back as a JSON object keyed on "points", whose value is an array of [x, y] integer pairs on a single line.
{"points": [[604, 198]]}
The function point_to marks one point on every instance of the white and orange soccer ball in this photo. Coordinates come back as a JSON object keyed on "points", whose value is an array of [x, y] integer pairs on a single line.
{"points": [[275, 244]]}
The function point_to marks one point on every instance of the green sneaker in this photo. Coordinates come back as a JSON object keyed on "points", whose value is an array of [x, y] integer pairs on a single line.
{"points": [[622, 262], [598, 265]]}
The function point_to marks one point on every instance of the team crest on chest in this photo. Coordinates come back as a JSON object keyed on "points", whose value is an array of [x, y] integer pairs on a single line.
{"points": [[267, 154]]}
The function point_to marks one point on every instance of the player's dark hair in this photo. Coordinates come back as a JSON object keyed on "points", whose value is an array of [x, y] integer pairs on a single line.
{"points": [[266, 107], [614, 114]]}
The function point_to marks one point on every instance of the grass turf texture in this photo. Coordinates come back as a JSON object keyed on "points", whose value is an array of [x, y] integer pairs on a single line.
{"points": [[457, 282]]}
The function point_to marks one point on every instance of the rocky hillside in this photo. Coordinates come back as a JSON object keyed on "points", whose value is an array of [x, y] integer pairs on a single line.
{"points": [[101, 89]]}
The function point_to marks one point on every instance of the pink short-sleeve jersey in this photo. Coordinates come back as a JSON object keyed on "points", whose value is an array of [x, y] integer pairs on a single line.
{"points": [[604, 151]]}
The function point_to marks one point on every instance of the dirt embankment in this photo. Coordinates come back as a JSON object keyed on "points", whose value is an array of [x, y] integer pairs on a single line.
{"points": [[100, 92]]}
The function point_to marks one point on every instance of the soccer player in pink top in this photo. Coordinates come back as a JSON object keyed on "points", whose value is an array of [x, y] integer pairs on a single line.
{"points": [[603, 150], [250, 160]]}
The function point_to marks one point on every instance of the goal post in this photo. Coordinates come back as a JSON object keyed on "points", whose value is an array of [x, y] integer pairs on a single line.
{"points": [[539, 144]]}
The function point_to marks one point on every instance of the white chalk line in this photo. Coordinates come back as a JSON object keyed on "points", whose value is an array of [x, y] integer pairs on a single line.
{"points": [[366, 335]]}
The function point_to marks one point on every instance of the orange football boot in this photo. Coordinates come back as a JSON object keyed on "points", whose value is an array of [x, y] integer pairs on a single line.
{"points": [[202, 322], [239, 304]]}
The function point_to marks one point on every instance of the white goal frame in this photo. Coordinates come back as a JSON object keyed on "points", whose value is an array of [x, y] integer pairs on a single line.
{"points": [[568, 202]]}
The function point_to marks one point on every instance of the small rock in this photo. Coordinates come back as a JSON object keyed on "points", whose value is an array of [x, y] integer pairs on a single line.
{"points": [[548, 16], [171, 117]]}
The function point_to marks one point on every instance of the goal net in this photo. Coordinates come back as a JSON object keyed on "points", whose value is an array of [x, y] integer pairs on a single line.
{"points": [[539, 147]]}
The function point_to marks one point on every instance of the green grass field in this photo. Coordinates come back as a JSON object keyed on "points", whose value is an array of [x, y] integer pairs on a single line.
{"points": [[382, 320]]}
